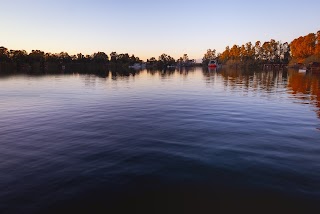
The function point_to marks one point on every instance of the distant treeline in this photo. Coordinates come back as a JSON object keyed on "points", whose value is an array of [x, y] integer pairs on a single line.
{"points": [[21, 56], [305, 49], [37, 60]]}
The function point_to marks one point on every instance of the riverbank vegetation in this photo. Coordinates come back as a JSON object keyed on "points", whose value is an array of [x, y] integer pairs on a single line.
{"points": [[300, 52], [256, 54], [306, 49], [39, 61]]}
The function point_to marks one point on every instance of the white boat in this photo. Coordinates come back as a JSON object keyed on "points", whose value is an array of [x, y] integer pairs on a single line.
{"points": [[302, 70]]}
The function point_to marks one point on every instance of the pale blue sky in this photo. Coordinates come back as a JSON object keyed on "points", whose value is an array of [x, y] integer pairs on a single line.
{"points": [[150, 28]]}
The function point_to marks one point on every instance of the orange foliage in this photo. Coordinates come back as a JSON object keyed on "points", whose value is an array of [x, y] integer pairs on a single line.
{"points": [[303, 47], [317, 48]]}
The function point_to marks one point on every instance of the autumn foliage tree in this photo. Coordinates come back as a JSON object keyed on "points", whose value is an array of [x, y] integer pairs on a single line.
{"points": [[306, 48], [317, 48], [248, 54], [225, 55]]}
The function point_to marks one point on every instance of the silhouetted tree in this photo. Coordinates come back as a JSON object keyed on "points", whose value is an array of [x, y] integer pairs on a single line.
{"points": [[113, 57], [165, 60], [36, 56], [100, 57], [64, 57], [51, 57], [4, 54], [185, 58], [134, 59], [19, 56]]}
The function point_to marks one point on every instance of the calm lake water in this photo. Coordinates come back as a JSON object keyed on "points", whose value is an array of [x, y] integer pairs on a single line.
{"points": [[160, 142]]}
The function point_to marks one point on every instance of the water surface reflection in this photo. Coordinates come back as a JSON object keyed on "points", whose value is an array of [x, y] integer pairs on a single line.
{"points": [[189, 140]]}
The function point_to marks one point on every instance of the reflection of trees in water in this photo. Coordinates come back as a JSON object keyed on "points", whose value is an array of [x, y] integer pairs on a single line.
{"points": [[171, 71], [186, 70], [90, 81], [123, 73], [236, 79], [305, 87], [98, 69], [266, 80], [305, 84], [209, 75], [163, 74], [167, 73]]}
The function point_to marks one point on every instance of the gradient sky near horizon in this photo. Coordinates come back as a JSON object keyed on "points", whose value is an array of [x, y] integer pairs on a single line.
{"points": [[150, 28]]}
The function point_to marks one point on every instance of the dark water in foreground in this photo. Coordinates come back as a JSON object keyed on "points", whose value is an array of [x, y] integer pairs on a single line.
{"points": [[160, 142]]}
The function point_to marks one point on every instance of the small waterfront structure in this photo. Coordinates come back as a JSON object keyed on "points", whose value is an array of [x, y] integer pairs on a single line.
{"points": [[212, 64]]}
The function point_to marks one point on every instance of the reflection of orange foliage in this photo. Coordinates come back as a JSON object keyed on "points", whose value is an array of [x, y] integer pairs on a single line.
{"points": [[306, 84], [299, 83], [261, 79]]}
